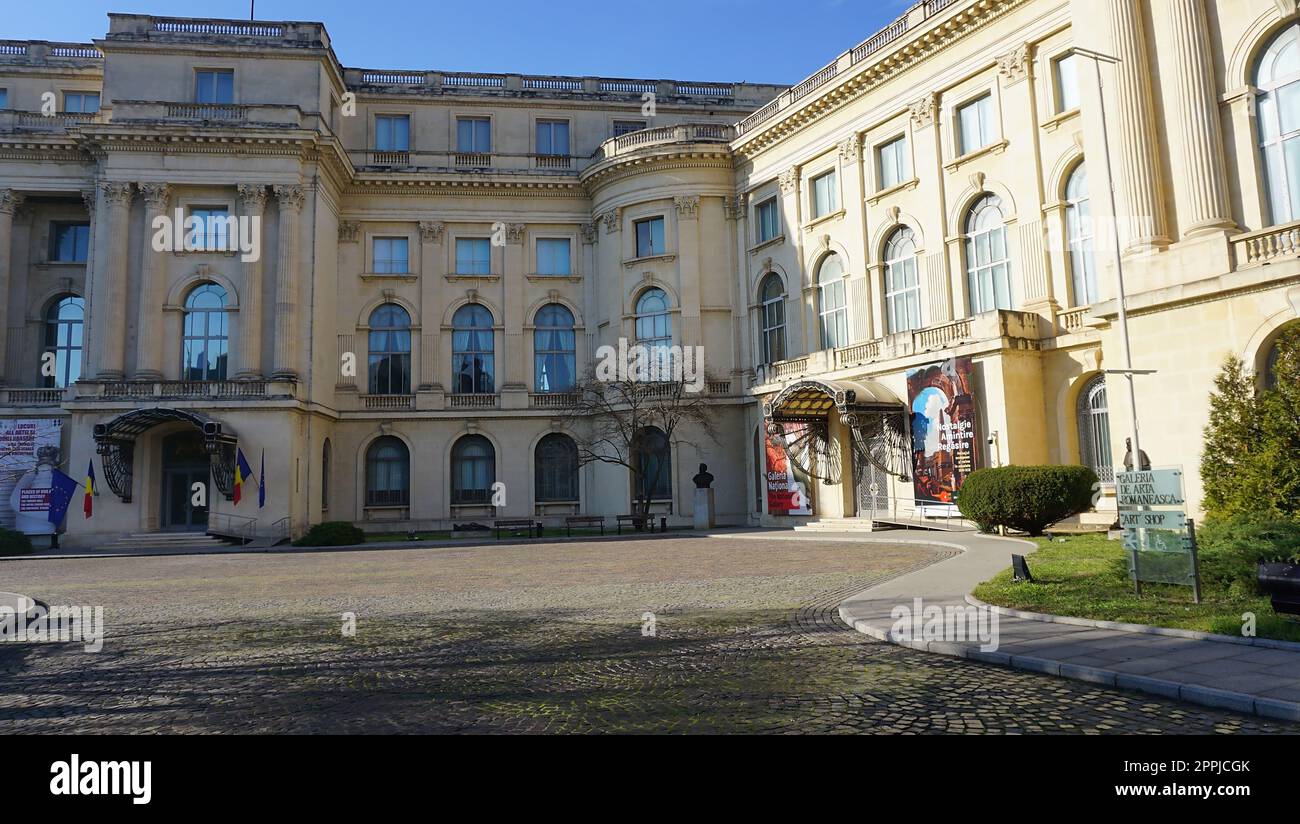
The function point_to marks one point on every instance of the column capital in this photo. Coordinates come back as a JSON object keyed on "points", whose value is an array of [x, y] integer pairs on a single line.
{"points": [[156, 195], [290, 197], [90, 196], [117, 194], [687, 207], [10, 201], [850, 148], [349, 231], [925, 110], [589, 233], [515, 232], [613, 221], [252, 198], [431, 231], [789, 180]]}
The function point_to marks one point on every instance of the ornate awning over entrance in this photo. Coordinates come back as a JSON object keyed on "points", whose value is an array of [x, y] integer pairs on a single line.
{"points": [[799, 415], [115, 442]]}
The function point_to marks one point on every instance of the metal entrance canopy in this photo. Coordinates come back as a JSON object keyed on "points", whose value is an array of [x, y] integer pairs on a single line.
{"points": [[115, 443]]}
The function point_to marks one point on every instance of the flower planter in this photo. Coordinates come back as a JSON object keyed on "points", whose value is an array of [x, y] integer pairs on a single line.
{"points": [[1282, 583]]}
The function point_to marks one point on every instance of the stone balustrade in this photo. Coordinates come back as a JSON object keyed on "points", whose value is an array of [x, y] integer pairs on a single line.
{"points": [[182, 390], [30, 397], [646, 138], [1263, 246]]}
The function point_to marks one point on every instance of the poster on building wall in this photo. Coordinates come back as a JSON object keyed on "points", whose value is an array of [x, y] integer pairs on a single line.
{"points": [[945, 427], [29, 453], [787, 490]]}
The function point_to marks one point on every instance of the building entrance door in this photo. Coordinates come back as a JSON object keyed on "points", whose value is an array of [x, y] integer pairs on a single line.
{"points": [[184, 464]]}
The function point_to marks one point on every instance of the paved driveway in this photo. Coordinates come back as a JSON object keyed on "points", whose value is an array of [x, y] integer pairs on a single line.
{"points": [[526, 638]]}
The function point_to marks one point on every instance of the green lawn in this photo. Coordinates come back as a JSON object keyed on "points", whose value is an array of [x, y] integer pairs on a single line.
{"points": [[1086, 576]]}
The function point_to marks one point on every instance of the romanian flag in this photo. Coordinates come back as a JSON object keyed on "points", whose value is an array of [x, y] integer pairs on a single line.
{"points": [[242, 473], [261, 482], [88, 500]]}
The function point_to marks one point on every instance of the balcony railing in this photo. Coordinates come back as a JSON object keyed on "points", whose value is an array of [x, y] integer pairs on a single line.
{"points": [[472, 401], [388, 401], [31, 397], [940, 337], [1264, 246], [685, 133], [37, 122], [214, 390], [858, 353], [551, 400], [261, 114], [863, 51], [1071, 320]]}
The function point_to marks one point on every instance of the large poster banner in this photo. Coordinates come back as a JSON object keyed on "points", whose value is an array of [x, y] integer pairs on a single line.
{"points": [[29, 453], [944, 429], [787, 493]]}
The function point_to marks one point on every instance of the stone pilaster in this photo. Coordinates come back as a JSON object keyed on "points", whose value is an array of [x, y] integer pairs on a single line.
{"points": [[110, 291], [10, 202], [513, 370], [153, 274], [290, 199], [1136, 144], [252, 205], [1201, 183], [88, 354], [431, 243]]}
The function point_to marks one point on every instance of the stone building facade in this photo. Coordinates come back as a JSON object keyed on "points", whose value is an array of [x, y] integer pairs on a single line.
{"points": [[438, 254]]}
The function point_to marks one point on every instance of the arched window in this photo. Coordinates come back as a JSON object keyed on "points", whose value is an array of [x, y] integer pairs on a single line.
{"points": [[554, 361], [555, 462], [988, 269], [654, 326], [902, 284], [473, 470], [388, 473], [1269, 372], [772, 297], [1079, 231], [326, 458], [1094, 429], [473, 365], [64, 324], [390, 351], [653, 458], [207, 334], [1277, 76], [832, 306]]}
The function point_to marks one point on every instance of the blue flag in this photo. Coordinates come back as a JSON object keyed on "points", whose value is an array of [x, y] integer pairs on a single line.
{"points": [[261, 482], [62, 488]]}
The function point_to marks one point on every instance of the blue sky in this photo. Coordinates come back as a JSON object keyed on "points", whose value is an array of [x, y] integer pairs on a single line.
{"points": [[760, 41]]}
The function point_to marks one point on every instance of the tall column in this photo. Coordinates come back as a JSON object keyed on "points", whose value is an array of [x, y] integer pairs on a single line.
{"points": [[153, 274], [1137, 145], [431, 232], [688, 268], [512, 373], [110, 320], [252, 203], [10, 202], [88, 353], [286, 283], [1201, 182]]}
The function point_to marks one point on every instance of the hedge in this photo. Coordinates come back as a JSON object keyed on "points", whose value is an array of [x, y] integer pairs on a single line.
{"points": [[14, 543], [332, 533], [1027, 498]]}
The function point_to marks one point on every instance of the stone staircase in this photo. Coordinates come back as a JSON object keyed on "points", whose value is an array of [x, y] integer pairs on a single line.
{"points": [[836, 525], [159, 541]]}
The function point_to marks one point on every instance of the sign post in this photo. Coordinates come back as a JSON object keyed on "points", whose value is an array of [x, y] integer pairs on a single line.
{"points": [[1153, 516]]}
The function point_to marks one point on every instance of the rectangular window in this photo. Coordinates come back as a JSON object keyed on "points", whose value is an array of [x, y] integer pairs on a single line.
{"points": [[391, 256], [213, 227], [81, 102], [553, 137], [392, 133], [825, 196], [650, 237], [473, 135], [4, 98], [214, 86], [69, 242], [975, 122], [553, 256], [1067, 83], [892, 160], [768, 224], [622, 127], [473, 256]]}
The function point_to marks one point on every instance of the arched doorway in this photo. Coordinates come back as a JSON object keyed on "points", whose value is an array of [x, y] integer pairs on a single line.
{"points": [[185, 462]]}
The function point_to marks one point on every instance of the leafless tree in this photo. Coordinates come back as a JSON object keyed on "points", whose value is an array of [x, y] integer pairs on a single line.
{"points": [[612, 421]]}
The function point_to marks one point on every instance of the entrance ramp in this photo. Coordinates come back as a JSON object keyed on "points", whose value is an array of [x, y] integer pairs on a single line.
{"points": [[907, 515]]}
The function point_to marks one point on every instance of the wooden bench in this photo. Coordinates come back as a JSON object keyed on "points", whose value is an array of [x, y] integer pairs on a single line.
{"points": [[583, 520], [514, 523], [646, 521]]}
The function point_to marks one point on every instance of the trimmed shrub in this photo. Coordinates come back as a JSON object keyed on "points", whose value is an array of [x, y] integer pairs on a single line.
{"points": [[1028, 498], [332, 533], [14, 543]]}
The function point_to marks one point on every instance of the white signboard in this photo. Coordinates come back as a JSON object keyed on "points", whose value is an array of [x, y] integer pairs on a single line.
{"points": [[1154, 487], [29, 454], [1153, 519]]}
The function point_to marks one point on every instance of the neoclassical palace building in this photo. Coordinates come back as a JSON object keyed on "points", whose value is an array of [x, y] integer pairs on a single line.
{"points": [[900, 269]]}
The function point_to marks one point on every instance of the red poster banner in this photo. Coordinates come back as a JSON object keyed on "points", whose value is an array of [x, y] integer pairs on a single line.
{"points": [[944, 429], [786, 493]]}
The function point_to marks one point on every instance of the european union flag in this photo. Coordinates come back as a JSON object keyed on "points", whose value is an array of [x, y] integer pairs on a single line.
{"points": [[62, 488]]}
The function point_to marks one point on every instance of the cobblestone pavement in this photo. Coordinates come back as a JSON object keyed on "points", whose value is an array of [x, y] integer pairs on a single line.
{"points": [[525, 638]]}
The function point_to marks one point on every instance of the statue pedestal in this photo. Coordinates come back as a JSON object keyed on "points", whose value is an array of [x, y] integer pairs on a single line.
{"points": [[703, 508]]}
